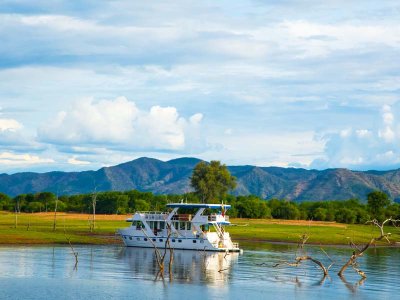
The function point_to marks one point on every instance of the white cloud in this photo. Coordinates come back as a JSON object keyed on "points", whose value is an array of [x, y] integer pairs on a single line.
{"points": [[281, 149], [8, 158], [365, 148], [196, 119], [363, 133], [9, 125], [75, 161], [119, 123]]}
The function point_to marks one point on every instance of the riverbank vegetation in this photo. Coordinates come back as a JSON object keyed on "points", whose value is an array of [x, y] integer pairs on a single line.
{"points": [[351, 211], [37, 228]]}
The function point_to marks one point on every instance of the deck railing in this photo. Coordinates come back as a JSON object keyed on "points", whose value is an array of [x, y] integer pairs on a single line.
{"points": [[154, 215], [214, 218]]}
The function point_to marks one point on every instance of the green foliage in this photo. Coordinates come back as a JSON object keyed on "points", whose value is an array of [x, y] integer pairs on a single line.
{"points": [[46, 198], [34, 206], [350, 211], [320, 214], [377, 202], [250, 207], [285, 210], [211, 181], [5, 202]]}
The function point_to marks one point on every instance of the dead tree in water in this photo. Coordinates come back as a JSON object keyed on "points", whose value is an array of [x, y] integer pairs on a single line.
{"points": [[360, 251], [300, 258], [161, 257], [73, 252]]}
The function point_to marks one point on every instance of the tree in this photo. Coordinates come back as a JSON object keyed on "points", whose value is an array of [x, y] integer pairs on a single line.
{"points": [[46, 198], [5, 202], [211, 181], [320, 214], [377, 202]]}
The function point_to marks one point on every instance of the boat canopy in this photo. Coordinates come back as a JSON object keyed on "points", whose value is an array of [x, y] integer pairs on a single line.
{"points": [[198, 205]]}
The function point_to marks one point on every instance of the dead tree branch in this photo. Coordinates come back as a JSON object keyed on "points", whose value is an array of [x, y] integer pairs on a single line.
{"points": [[299, 259], [360, 251]]}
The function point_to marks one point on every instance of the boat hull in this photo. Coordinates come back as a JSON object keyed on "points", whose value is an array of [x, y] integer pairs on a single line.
{"points": [[181, 243]]}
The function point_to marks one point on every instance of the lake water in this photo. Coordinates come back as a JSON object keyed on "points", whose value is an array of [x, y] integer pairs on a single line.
{"points": [[108, 272]]}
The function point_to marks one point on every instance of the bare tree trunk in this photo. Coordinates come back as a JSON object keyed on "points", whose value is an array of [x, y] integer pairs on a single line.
{"points": [[16, 218], [94, 202], [55, 214]]}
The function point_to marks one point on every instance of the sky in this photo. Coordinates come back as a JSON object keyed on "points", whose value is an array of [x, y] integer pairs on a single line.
{"points": [[311, 84]]}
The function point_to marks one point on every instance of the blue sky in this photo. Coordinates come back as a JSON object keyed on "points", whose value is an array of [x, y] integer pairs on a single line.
{"points": [[284, 83]]}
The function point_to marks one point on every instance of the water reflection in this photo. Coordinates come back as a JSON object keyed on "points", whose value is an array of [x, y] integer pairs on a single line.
{"points": [[188, 266], [113, 272]]}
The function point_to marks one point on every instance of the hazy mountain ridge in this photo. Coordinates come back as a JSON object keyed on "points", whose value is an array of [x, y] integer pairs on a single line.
{"points": [[148, 174]]}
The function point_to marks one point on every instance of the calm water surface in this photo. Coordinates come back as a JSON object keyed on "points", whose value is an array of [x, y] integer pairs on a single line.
{"points": [[107, 272]]}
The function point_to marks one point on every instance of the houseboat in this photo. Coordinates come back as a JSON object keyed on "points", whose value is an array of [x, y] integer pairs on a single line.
{"points": [[188, 226]]}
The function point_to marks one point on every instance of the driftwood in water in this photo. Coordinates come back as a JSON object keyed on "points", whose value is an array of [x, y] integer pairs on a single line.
{"points": [[360, 251]]}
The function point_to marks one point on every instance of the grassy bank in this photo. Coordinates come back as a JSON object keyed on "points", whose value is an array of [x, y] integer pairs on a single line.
{"points": [[38, 229]]}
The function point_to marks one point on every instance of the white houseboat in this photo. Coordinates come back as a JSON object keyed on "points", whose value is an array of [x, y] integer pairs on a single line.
{"points": [[194, 231]]}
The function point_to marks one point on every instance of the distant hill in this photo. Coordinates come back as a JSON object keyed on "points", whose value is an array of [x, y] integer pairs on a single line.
{"points": [[148, 174]]}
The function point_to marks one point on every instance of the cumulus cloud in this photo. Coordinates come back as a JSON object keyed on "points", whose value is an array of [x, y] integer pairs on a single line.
{"points": [[375, 148], [120, 124], [13, 137]]}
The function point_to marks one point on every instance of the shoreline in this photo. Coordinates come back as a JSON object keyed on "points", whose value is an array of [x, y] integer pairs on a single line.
{"points": [[37, 229]]}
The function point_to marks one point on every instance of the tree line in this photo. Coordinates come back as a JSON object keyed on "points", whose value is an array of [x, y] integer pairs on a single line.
{"points": [[350, 211]]}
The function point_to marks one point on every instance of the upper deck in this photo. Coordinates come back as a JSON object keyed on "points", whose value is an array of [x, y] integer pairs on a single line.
{"points": [[198, 205]]}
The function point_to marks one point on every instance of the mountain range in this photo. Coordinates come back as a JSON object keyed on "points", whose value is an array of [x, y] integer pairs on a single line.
{"points": [[172, 177]]}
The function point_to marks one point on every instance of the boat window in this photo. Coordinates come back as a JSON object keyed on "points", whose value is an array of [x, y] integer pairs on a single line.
{"points": [[205, 227], [130, 238], [124, 237], [194, 241], [151, 224], [181, 225], [180, 241], [202, 241], [173, 240], [138, 239], [188, 226], [161, 240], [145, 239], [154, 240], [176, 225], [137, 224], [162, 225]]}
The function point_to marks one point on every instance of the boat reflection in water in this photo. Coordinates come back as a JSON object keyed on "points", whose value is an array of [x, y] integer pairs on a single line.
{"points": [[188, 266]]}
